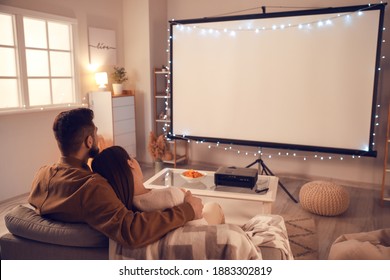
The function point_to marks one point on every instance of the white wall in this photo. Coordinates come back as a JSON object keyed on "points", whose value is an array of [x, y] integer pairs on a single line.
{"points": [[27, 141], [145, 45], [365, 170]]}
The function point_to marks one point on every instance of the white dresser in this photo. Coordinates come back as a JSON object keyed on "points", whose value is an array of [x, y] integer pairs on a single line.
{"points": [[115, 119]]}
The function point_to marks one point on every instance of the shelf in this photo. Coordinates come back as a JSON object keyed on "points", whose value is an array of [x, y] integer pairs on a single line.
{"points": [[178, 160], [385, 187], [161, 72], [163, 121], [162, 102]]}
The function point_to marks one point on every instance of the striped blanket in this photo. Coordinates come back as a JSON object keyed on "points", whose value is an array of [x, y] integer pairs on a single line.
{"points": [[207, 242]]}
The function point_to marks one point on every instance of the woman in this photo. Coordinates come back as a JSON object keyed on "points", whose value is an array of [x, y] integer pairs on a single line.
{"points": [[125, 176]]}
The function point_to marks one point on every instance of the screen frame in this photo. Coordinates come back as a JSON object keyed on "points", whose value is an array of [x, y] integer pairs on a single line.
{"points": [[371, 146]]}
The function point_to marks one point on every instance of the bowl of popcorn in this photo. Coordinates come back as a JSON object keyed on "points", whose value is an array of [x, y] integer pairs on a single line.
{"points": [[192, 176]]}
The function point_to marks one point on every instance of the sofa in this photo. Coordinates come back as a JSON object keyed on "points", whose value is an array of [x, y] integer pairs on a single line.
{"points": [[32, 237], [370, 245]]}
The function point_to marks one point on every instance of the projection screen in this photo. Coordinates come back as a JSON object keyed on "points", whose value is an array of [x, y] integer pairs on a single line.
{"points": [[303, 80]]}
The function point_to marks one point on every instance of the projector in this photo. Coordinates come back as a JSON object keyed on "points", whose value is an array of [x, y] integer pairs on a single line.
{"points": [[237, 177]]}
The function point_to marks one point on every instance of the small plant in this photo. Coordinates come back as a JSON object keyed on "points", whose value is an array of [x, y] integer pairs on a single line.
{"points": [[119, 75]]}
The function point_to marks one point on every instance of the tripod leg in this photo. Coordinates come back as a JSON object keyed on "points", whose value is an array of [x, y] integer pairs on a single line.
{"points": [[269, 172]]}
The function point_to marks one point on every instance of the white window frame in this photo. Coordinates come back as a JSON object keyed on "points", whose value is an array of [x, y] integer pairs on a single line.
{"points": [[22, 78]]}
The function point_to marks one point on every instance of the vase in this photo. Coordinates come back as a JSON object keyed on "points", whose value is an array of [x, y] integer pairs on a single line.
{"points": [[117, 89], [158, 166]]}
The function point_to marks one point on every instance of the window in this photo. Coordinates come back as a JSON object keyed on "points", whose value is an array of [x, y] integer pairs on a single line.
{"points": [[37, 55]]}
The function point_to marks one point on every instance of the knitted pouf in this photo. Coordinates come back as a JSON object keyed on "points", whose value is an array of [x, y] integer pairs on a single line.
{"points": [[324, 198]]}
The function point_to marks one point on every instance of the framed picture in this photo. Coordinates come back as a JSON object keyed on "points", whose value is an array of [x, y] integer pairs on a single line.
{"points": [[102, 46]]}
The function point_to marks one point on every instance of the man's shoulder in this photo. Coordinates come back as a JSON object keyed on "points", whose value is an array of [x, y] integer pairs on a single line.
{"points": [[97, 178], [45, 170], [65, 173]]}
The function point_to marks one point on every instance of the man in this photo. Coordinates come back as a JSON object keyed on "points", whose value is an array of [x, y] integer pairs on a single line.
{"points": [[68, 191]]}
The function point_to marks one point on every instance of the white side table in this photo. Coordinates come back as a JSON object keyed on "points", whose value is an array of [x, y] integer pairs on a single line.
{"points": [[238, 203]]}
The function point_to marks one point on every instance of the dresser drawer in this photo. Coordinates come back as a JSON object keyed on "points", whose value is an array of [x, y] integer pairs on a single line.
{"points": [[125, 139], [123, 113], [123, 101], [124, 126]]}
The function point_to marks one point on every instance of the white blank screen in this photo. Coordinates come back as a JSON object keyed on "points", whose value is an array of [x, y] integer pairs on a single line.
{"points": [[303, 80]]}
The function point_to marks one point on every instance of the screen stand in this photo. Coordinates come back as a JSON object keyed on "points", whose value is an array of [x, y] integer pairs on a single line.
{"points": [[263, 168]]}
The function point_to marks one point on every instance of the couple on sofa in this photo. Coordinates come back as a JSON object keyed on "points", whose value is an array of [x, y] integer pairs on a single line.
{"points": [[108, 199]]}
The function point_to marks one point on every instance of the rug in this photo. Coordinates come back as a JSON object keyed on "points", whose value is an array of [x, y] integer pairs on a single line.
{"points": [[303, 237]]}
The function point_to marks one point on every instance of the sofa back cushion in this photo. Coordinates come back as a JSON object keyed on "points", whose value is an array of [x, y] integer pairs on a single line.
{"points": [[25, 222]]}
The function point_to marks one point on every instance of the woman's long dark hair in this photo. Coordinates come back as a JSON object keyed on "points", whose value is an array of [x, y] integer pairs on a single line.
{"points": [[112, 164]]}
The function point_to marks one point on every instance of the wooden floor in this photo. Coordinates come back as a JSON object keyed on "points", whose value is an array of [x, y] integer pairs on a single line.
{"points": [[365, 212]]}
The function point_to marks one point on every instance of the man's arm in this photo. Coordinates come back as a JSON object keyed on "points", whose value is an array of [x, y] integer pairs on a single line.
{"points": [[196, 204], [106, 213]]}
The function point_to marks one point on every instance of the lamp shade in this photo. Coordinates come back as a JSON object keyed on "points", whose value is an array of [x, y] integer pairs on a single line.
{"points": [[101, 79]]}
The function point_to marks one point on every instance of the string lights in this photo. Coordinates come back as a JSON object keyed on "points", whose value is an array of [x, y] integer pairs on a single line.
{"points": [[167, 110], [257, 152], [232, 31]]}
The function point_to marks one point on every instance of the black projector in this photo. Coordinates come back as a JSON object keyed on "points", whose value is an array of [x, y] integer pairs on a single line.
{"points": [[237, 177]]}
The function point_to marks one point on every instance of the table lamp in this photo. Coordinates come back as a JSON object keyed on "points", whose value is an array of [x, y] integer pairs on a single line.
{"points": [[101, 79]]}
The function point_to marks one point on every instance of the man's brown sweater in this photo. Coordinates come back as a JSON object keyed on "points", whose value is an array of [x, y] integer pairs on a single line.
{"points": [[68, 191]]}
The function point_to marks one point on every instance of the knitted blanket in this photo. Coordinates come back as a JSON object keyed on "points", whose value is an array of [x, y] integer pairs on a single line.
{"points": [[202, 242]]}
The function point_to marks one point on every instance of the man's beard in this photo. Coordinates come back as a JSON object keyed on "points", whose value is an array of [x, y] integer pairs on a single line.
{"points": [[94, 151]]}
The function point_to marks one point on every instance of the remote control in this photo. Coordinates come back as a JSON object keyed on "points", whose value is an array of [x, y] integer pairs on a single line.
{"points": [[262, 186], [261, 189]]}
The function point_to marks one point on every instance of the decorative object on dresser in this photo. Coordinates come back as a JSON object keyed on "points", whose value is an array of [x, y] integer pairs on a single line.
{"points": [[115, 119], [101, 79], [119, 76]]}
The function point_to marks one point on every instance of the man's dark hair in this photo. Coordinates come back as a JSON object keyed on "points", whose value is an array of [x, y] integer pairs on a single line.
{"points": [[71, 128]]}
